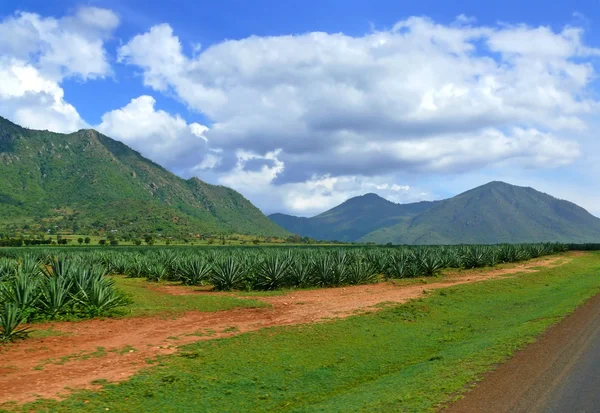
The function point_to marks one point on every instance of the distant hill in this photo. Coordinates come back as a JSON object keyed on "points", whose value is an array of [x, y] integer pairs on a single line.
{"points": [[353, 219], [85, 181], [493, 213]]}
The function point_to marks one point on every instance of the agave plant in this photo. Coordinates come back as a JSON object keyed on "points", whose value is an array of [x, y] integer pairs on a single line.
{"points": [[341, 263], [323, 270], [22, 291], [8, 268], [474, 257], [11, 317], [55, 295], [31, 265], [398, 266], [194, 271], [228, 274], [101, 297], [430, 263], [300, 273], [272, 272], [157, 272], [361, 272]]}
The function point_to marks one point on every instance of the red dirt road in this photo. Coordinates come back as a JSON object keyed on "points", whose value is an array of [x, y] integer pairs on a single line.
{"points": [[115, 349]]}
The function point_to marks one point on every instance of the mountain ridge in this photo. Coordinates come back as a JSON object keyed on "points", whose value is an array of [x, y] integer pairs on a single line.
{"points": [[86, 181], [495, 212]]}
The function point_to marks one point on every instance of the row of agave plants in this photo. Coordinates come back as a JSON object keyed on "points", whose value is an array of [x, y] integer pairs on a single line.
{"points": [[32, 289], [272, 268], [50, 284]]}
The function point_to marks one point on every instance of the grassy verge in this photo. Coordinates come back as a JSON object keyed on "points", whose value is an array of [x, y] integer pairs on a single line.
{"points": [[406, 358], [147, 302]]}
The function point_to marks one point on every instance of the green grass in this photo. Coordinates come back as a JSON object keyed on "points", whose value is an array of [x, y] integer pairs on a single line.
{"points": [[407, 358], [147, 302], [45, 333]]}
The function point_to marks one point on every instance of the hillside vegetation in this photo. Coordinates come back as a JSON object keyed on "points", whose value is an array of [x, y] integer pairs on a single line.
{"points": [[493, 213], [85, 181]]}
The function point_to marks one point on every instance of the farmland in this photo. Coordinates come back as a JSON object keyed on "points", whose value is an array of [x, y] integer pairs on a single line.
{"points": [[55, 285], [165, 302]]}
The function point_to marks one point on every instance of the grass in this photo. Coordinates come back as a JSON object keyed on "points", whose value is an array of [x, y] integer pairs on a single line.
{"points": [[45, 333], [409, 358], [147, 302], [81, 355]]}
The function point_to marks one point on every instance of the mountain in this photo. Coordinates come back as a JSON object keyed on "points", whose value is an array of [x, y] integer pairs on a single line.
{"points": [[493, 213], [353, 219], [85, 181]]}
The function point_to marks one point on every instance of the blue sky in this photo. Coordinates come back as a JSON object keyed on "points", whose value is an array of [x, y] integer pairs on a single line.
{"points": [[412, 100]]}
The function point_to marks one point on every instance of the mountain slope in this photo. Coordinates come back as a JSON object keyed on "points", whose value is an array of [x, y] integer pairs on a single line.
{"points": [[352, 219], [493, 213], [85, 181]]}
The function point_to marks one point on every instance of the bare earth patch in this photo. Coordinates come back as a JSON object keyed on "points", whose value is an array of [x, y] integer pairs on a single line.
{"points": [[46, 367]]}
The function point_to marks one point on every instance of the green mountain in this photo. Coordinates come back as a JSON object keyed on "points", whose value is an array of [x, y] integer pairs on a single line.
{"points": [[353, 219], [493, 213], [85, 182]]}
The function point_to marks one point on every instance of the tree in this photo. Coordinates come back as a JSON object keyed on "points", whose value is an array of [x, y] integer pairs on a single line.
{"points": [[149, 240], [87, 240], [168, 242], [80, 240], [102, 242], [137, 242], [256, 241], [114, 242]]}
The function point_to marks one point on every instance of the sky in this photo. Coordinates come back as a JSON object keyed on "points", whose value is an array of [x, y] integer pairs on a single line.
{"points": [[300, 105]]}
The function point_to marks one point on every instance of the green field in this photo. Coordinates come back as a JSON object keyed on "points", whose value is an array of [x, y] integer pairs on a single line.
{"points": [[409, 358]]}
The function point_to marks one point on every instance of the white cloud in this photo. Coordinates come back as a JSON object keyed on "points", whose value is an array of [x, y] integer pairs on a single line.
{"points": [[159, 53], [70, 46], [305, 121], [421, 97], [31, 100], [165, 138], [37, 53], [312, 196]]}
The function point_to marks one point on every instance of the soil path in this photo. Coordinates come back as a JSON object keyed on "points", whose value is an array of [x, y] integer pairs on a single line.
{"points": [[558, 373], [115, 349]]}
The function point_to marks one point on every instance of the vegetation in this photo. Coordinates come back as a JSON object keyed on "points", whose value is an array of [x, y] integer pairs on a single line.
{"points": [[272, 268], [74, 283], [352, 219], [87, 183], [493, 213], [32, 289], [145, 301], [409, 358]]}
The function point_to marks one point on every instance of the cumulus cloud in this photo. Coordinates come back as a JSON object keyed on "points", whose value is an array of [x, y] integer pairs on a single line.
{"points": [[165, 138], [421, 97], [69, 46], [305, 121], [256, 175], [37, 53], [31, 100]]}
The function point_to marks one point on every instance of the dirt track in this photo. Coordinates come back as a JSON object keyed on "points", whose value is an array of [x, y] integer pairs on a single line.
{"points": [[115, 349]]}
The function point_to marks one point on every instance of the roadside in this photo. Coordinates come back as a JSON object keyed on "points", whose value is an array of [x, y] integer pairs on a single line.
{"points": [[558, 373]]}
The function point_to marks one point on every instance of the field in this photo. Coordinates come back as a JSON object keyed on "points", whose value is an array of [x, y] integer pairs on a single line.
{"points": [[405, 329]]}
